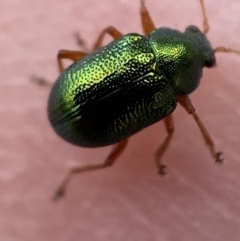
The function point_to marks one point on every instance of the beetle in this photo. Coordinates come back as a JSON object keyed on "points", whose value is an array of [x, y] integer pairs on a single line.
{"points": [[108, 95]]}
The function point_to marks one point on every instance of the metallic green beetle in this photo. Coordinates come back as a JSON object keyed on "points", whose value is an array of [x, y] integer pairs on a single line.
{"points": [[127, 85], [117, 90]]}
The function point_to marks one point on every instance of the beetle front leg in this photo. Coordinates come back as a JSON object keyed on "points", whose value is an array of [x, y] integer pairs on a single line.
{"points": [[161, 150], [186, 103], [147, 23], [109, 161]]}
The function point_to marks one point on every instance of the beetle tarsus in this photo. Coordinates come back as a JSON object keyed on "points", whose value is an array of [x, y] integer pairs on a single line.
{"points": [[219, 160], [60, 192], [162, 170]]}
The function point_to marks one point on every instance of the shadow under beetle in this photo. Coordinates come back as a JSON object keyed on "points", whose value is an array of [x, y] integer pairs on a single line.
{"points": [[117, 90]]}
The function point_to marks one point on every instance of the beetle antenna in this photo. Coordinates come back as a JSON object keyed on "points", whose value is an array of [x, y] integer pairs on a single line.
{"points": [[142, 2], [222, 49], [205, 19], [206, 28]]}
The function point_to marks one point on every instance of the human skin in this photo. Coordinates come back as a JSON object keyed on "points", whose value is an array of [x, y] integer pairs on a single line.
{"points": [[197, 200]]}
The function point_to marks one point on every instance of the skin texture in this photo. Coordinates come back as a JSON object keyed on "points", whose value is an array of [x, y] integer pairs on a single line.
{"points": [[198, 201]]}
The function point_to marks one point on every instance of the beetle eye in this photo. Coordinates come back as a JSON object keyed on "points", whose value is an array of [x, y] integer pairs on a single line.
{"points": [[210, 61], [192, 29]]}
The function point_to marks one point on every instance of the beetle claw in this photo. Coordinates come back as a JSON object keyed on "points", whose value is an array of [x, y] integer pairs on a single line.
{"points": [[218, 158], [58, 194], [162, 170]]}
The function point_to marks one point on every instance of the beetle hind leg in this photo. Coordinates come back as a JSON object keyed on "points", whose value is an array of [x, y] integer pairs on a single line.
{"points": [[109, 161], [163, 147]]}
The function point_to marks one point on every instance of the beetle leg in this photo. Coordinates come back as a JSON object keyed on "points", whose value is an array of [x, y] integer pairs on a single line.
{"points": [[205, 19], [40, 81], [62, 54], [76, 55], [161, 150], [113, 32], [109, 161], [147, 23], [68, 54], [186, 103], [80, 41]]}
